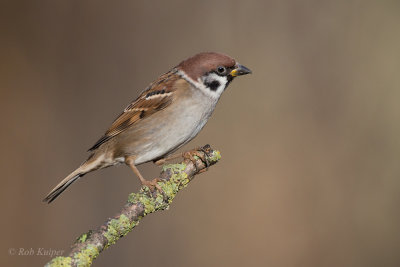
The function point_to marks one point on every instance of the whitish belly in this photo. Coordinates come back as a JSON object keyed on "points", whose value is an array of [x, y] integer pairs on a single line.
{"points": [[168, 132]]}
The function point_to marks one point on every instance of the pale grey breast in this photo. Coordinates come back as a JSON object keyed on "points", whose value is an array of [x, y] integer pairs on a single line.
{"points": [[185, 120]]}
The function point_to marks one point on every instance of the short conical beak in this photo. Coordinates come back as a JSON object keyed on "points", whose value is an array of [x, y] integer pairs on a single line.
{"points": [[240, 70]]}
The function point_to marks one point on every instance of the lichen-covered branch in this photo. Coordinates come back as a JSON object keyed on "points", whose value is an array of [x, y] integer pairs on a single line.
{"points": [[174, 177]]}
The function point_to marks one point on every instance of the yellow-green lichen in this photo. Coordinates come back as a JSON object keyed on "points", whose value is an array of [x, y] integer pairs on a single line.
{"points": [[215, 156], [86, 256], [144, 198], [83, 237], [118, 228], [60, 262], [174, 167], [178, 179]]}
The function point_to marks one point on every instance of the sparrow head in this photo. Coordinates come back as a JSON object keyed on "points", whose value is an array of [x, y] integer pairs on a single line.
{"points": [[211, 72]]}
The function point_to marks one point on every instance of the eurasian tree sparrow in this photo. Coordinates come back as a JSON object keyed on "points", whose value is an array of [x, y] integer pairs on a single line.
{"points": [[166, 115]]}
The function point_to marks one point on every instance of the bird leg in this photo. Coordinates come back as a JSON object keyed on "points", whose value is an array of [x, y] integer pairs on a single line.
{"points": [[150, 184], [168, 158]]}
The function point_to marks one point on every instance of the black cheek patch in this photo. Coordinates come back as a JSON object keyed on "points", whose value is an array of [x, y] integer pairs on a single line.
{"points": [[213, 86]]}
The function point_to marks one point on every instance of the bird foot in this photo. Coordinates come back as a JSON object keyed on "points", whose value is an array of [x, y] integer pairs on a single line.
{"points": [[153, 185], [188, 155], [192, 154]]}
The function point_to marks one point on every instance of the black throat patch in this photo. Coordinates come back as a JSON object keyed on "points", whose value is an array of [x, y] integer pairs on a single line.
{"points": [[213, 85]]}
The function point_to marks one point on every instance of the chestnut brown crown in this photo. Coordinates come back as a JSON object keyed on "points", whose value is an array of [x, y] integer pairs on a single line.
{"points": [[202, 63]]}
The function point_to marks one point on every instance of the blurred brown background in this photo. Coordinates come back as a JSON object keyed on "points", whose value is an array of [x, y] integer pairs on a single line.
{"points": [[310, 141]]}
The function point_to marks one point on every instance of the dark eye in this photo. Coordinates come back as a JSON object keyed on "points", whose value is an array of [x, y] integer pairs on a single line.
{"points": [[221, 70]]}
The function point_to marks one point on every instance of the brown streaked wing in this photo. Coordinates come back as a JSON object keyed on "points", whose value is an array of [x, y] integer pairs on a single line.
{"points": [[156, 97]]}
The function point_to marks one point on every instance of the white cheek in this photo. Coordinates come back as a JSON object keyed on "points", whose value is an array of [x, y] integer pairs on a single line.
{"points": [[199, 84], [222, 80]]}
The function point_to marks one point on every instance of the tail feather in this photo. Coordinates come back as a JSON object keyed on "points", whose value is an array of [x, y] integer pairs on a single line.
{"points": [[93, 163], [56, 191]]}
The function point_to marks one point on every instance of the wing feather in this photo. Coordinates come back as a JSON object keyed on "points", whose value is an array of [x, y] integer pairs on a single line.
{"points": [[155, 97]]}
